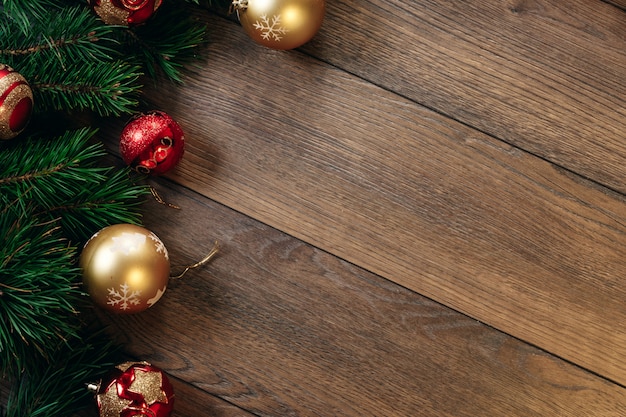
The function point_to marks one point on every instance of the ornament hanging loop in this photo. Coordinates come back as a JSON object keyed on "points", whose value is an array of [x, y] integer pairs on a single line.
{"points": [[214, 251]]}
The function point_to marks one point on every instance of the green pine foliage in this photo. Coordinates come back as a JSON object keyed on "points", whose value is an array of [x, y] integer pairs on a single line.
{"points": [[58, 185], [61, 180], [161, 44], [38, 288], [50, 391]]}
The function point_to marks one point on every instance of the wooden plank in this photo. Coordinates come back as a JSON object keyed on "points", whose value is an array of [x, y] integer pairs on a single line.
{"points": [[279, 328], [426, 202], [618, 3], [547, 76], [193, 402]]}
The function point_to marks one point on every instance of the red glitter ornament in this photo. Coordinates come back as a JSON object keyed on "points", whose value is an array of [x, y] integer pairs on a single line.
{"points": [[16, 102], [135, 389], [152, 143], [125, 12]]}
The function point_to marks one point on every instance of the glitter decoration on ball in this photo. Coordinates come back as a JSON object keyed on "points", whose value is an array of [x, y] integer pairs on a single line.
{"points": [[152, 143], [134, 389], [16, 102], [125, 12], [126, 268], [280, 24]]}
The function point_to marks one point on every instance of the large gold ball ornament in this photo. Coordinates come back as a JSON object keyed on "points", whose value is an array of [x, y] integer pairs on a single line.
{"points": [[280, 24], [126, 268]]}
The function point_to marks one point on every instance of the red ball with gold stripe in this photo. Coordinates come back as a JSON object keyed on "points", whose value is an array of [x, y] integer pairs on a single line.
{"points": [[125, 12], [16, 102], [134, 389]]}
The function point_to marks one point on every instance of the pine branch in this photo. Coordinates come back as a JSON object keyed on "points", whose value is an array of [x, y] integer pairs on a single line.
{"points": [[51, 191], [35, 157], [72, 66], [54, 192], [37, 288], [114, 200], [57, 387], [61, 179], [23, 10], [168, 41], [67, 35], [109, 90]]}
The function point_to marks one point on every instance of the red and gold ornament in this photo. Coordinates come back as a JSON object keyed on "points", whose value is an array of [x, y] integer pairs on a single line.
{"points": [[134, 389], [16, 102], [125, 12], [152, 143]]}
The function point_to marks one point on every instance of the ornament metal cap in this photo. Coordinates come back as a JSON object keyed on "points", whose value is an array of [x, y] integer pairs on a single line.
{"points": [[237, 5]]}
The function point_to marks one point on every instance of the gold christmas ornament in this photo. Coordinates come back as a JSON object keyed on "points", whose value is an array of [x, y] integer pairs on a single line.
{"points": [[126, 268], [280, 24]]}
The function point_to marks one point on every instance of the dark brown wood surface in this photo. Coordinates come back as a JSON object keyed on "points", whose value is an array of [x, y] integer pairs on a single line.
{"points": [[546, 76], [422, 212], [277, 327], [618, 3]]}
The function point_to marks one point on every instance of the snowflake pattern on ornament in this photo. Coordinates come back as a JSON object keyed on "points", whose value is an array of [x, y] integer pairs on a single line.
{"points": [[270, 29], [123, 298], [160, 247], [156, 298]]}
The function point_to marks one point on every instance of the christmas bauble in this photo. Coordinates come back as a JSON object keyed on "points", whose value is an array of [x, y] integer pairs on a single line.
{"points": [[280, 24], [125, 12], [126, 268], [135, 389], [152, 143], [16, 102]]}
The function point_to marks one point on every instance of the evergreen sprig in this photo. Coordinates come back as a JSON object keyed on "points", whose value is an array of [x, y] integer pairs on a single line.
{"points": [[61, 179], [74, 61], [167, 43], [57, 188], [54, 194], [109, 90], [37, 288], [41, 38], [57, 387], [68, 57]]}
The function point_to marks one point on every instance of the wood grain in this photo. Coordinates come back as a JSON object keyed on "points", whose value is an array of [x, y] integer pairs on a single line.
{"points": [[618, 3], [194, 402], [545, 75], [402, 191], [279, 328]]}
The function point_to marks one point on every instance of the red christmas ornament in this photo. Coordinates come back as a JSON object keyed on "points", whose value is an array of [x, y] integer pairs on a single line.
{"points": [[135, 389], [16, 102], [125, 12], [152, 143]]}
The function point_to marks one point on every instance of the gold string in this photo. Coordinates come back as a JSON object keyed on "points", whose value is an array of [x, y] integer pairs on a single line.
{"points": [[210, 255], [160, 200]]}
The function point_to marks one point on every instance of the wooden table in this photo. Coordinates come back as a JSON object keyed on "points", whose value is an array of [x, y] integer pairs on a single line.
{"points": [[422, 212]]}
